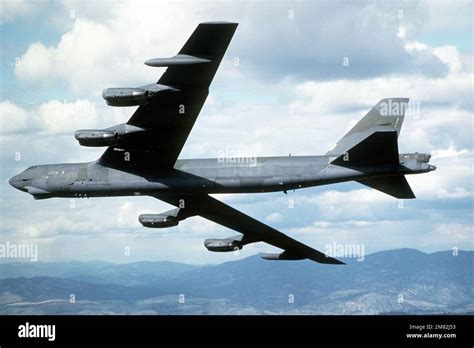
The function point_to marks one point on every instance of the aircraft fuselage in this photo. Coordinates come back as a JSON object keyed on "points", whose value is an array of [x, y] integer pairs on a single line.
{"points": [[214, 175]]}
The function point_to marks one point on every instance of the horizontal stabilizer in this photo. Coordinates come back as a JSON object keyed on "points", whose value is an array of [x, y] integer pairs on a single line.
{"points": [[396, 186], [377, 149]]}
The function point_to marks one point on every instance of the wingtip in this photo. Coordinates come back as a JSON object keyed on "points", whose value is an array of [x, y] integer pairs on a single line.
{"points": [[326, 259], [333, 261]]}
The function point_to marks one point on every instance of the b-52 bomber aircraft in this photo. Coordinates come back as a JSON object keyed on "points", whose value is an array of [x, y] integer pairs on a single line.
{"points": [[142, 155]]}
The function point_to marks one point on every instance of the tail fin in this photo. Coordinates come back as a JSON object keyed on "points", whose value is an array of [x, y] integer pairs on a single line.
{"points": [[373, 141], [380, 148], [387, 115]]}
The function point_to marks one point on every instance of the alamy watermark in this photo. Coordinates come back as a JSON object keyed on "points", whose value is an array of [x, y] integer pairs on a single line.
{"points": [[399, 108], [19, 251], [345, 250], [232, 156], [28, 330], [79, 108]]}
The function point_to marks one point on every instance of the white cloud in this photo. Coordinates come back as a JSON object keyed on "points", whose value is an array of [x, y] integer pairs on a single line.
{"points": [[451, 180], [449, 15], [441, 113], [364, 203], [96, 54], [457, 192], [36, 64], [274, 218], [108, 48], [450, 152], [81, 64], [127, 214], [12, 118], [12, 9], [456, 232], [447, 54], [401, 32], [327, 96], [450, 56], [47, 228], [339, 198], [56, 117], [415, 46]]}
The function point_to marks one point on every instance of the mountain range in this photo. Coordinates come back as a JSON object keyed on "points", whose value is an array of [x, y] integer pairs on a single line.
{"points": [[387, 282]]}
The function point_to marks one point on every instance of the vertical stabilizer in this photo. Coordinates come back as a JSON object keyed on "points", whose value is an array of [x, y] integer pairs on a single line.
{"points": [[387, 115]]}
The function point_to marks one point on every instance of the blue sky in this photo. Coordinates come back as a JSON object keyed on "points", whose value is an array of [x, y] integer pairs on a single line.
{"points": [[289, 93]]}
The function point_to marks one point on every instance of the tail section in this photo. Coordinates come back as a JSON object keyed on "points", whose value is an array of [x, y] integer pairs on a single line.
{"points": [[373, 141], [387, 115], [379, 148]]}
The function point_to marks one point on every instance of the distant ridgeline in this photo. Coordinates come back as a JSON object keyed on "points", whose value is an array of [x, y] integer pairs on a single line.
{"points": [[396, 281]]}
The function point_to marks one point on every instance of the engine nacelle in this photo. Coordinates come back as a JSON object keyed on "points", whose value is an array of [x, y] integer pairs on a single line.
{"points": [[96, 137], [128, 96], [112, 136], [285, 255], [125, 96], [223, 245], [416, 162], [158, 220]]}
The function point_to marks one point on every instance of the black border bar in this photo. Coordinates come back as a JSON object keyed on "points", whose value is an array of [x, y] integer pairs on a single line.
{"points": [[331, 330]]}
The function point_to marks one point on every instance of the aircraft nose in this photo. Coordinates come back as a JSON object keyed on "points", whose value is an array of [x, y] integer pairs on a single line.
{"points": [[15, 182]]}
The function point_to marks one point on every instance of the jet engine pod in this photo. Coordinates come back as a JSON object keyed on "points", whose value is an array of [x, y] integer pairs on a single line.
{"points": [[179, 59], [128, 96], [222, 245], [285, 255], [113, 136], [125, 96], [158, 220], [96, 137]]}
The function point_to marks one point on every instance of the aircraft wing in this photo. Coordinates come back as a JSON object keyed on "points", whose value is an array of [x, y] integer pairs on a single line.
{"points": [[169, 118], [253, 230]]}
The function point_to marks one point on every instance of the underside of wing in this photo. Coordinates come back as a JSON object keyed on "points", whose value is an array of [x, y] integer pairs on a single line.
{"points": [[167, 118], [252, 230]]}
